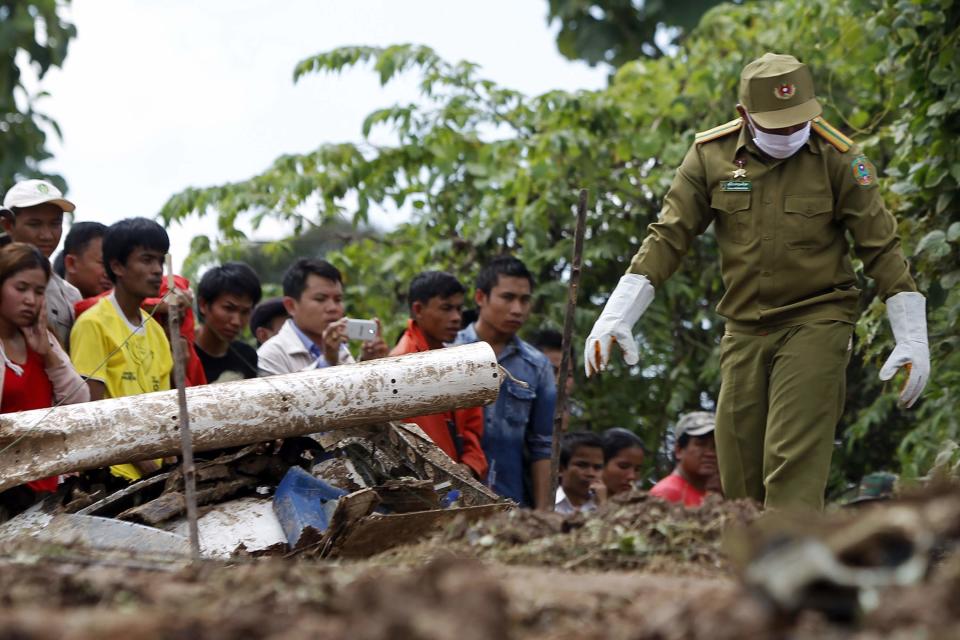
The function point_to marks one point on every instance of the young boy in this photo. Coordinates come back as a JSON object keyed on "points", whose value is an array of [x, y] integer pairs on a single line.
{"points": [[436, 311], [115, 344], [267, 319], [696, 454], [315, 335], [226, 296], [581, 465], [34, 214], [83, 259]]}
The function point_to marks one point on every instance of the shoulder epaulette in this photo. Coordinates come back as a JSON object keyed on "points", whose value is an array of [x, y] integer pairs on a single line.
{"points": [[718, 132], [831, 134]]}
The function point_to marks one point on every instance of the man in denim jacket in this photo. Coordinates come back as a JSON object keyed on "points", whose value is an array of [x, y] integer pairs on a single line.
{"points": [[518, 428]]}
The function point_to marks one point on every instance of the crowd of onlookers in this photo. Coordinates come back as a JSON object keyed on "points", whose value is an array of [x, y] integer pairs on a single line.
{"points": [[90, 323]]}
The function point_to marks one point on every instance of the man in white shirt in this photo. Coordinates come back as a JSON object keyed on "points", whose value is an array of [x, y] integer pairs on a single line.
{"points": [[33, 213], [315, 334]]}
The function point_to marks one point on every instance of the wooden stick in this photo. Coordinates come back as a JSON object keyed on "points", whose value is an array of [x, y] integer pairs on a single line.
{"points": [[565, 345], [186, 441]]}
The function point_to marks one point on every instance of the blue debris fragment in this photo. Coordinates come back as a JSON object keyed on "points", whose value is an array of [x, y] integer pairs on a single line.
{"points": [[304, 506]]}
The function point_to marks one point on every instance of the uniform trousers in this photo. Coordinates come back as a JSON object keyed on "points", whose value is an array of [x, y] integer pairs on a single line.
{"points": [[781, 397]]}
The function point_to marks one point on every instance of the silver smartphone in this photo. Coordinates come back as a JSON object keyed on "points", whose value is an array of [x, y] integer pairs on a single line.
{"points": [[361, 329]]}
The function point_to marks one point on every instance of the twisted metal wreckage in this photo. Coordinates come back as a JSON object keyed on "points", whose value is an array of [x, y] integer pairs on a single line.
{"points": [[346, 480]]}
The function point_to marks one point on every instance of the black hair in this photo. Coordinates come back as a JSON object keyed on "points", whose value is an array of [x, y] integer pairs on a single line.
{"points": [[501, 266], [684, 439], [553, 339], [264, 313], [616, 440], [547, 339], [574, 440], [123, 237], [59, 264], [295, 277], [20, 256], [468, 317], [433, 284], [80, 236], [235, 278]]}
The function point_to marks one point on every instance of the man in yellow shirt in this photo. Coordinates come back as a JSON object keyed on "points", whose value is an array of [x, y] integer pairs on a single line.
{"points": [[115, 345]]}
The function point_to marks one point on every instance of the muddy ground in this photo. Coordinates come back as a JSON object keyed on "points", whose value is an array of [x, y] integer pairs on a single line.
{"points": [[638, 570]]}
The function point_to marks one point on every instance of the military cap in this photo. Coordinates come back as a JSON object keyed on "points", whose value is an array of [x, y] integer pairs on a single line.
{"points": [[777, 91], [695, 423]]}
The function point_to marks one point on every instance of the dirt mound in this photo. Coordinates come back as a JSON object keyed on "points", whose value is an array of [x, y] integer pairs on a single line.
{"points": [[454, 598], [631, 532], [515, 576], [262, 599]]}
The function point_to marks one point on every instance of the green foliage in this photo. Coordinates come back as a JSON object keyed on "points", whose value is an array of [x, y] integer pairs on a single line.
{"points": [[920, 107], [271, 259], [486, 170], [618, 31], [33, 31]]}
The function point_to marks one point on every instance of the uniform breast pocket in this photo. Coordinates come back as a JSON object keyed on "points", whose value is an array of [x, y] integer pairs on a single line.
{"points": [[519, 403], [734, 219], [807, 221]]}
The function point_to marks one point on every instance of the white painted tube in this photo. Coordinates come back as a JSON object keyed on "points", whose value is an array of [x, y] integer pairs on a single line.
{"points": [[45, 442]]}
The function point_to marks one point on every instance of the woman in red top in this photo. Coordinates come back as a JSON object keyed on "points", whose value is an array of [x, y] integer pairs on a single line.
{"points": [[35, 372]]}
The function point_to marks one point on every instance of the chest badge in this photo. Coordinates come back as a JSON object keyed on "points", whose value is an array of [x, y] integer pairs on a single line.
{"points": [[740, 172], [736, 185], [739, 183]]}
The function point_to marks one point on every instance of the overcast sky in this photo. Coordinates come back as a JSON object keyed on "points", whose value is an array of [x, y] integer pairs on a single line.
{"points": [[159, 96]]}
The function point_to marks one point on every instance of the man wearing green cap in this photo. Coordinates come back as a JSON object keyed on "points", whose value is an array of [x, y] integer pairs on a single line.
{"points": [[781, 187]]}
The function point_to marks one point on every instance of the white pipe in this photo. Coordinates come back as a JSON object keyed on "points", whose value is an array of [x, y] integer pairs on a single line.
{"points": [[46, 442]]}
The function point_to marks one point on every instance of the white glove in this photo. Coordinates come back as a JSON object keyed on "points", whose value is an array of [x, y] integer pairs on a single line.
{"points": [[629, 300], [908, 319]]}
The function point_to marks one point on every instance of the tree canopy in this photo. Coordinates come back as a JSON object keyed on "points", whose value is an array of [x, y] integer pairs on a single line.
{"points": [[618, 31], [484, 170], [32, 33]]}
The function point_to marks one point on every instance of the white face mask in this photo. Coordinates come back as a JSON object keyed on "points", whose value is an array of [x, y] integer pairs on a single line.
{"points": [[777, 146]]}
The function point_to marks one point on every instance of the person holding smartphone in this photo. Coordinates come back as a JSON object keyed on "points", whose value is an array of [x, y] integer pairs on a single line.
{"points": [[315, 335]]}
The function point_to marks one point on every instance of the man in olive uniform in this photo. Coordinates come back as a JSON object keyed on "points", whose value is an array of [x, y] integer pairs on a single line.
{"points": [[781, 187]]}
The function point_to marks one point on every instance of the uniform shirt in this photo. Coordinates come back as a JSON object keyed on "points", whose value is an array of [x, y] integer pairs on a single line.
{"points": [[141, 365], [61, 296], [518, 427], [675, 488], [466, 423], [784, 255]]}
